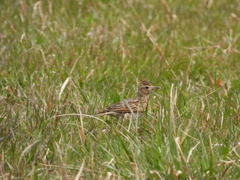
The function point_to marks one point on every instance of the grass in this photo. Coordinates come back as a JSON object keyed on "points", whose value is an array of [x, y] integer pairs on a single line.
{"points": [[61, 60]]}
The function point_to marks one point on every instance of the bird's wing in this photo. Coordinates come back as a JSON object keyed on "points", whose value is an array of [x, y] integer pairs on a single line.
{"points": [[123, 106]]}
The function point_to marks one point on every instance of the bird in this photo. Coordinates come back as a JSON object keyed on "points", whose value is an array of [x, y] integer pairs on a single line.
{"points": [[133, 107]]}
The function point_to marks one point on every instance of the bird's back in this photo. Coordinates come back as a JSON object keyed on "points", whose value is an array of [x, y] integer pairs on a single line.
{"points": [[135, 105]]}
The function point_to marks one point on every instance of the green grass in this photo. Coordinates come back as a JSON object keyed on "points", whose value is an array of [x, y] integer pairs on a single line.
{"points": [[61, 60]]}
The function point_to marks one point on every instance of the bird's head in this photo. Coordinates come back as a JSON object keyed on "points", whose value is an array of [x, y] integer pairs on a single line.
{"points": [[145, 88]]}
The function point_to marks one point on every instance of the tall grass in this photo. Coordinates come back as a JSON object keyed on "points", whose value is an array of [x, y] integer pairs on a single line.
{"points": [[61, 60]]}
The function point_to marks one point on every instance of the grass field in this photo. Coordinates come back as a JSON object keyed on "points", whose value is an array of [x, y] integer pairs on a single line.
{"points": [[61, 60]]}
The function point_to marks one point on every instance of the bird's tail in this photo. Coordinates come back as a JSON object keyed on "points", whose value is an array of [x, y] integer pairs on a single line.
{"points": [[100, 112]]}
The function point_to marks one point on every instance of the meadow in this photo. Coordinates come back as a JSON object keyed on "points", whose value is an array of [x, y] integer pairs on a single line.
{"points": [[62, 60]]}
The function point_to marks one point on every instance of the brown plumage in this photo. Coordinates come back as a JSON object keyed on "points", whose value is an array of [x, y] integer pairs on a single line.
{"points": [[131, 106]]}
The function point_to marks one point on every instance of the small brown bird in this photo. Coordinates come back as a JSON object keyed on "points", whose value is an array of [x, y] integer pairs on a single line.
{"points": [[134, 106]]}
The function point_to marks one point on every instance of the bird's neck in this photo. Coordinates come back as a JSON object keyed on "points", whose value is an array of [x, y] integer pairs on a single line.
{"points": [[139, 95]]}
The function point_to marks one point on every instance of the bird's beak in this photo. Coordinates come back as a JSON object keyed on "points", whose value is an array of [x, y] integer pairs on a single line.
{"points": [[156, 87]]}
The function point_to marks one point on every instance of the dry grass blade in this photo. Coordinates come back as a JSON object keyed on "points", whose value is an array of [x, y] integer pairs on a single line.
{"points": [[80, 170]]}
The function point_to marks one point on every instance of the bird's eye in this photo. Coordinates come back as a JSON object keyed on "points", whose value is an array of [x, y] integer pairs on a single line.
{"points": [[146, 87]]}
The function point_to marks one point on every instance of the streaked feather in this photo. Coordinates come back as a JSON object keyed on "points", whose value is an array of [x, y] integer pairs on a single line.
{"points": [[136, 105]]}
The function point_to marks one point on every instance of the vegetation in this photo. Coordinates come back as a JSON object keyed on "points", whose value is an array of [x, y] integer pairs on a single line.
{"points": [[61, 60]]}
